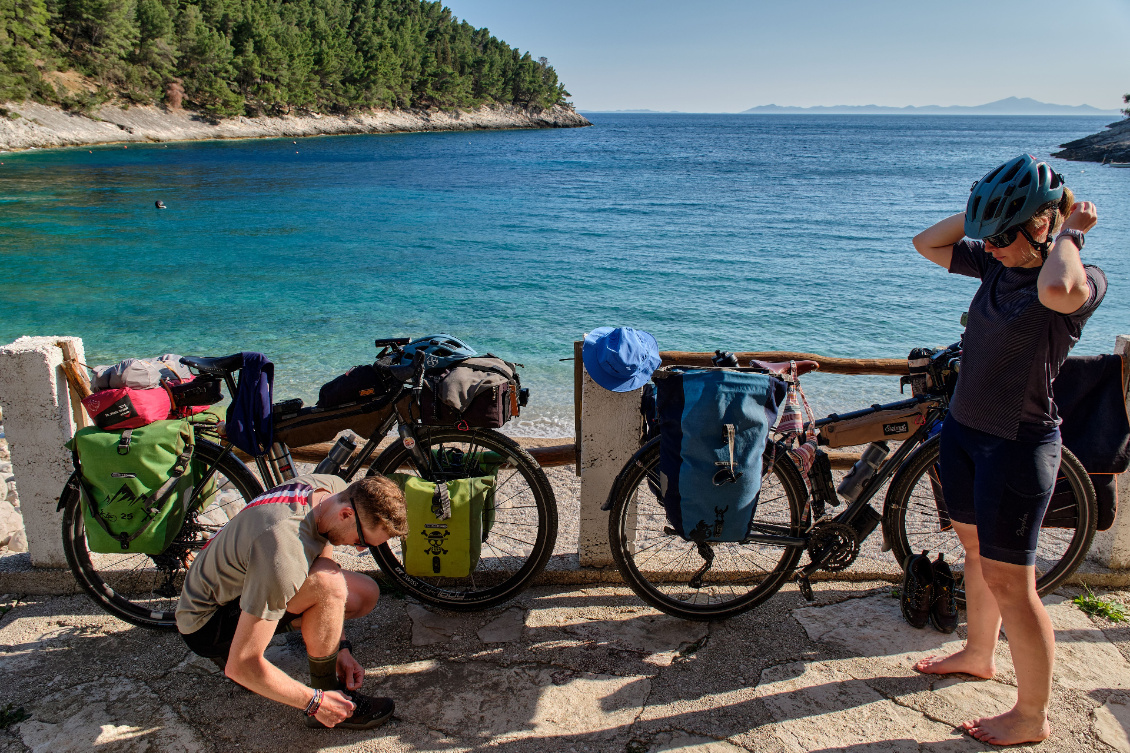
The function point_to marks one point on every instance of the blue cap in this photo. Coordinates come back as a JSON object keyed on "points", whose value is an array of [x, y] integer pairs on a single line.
{"points": [[620, 359]]}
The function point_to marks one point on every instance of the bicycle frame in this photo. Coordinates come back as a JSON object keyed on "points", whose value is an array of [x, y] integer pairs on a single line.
{"points": [[888, 469]]}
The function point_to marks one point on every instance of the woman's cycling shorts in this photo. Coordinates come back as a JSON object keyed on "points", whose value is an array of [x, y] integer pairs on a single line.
{"points": [[1002, 486]]}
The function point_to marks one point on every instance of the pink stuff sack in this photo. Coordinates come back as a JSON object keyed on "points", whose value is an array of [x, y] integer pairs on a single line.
{"points": [[127, 408]]}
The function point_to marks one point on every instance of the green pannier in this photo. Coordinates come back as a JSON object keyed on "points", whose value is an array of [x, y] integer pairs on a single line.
{"points": [[136, 485], [447, 523]]}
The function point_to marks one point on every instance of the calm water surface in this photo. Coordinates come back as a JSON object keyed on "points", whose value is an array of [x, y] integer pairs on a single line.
{"points": [[710, 231]]}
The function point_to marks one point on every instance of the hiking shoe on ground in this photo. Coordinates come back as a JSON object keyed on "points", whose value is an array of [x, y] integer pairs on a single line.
{"points": [[371, 712], [943, 610], [917, 590]]}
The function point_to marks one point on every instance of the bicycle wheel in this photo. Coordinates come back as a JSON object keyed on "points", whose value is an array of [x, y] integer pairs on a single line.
{"points": [[521, 538], [912, 523], [658, 564], [143, 589]]}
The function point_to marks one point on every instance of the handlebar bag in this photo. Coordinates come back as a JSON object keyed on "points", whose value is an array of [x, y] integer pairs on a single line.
{"points": [[481, 392], [135, 484], [713, 428], [447, 524]]}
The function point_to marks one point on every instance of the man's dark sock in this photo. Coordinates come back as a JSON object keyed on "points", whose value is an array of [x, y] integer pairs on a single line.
{"points": [[323, 672]]}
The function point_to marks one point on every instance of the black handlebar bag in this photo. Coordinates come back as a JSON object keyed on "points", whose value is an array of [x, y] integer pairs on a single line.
{"points": [[713, 428]]}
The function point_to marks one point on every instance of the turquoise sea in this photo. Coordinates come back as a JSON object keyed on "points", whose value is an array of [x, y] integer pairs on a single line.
{"points": [[710, 231]]}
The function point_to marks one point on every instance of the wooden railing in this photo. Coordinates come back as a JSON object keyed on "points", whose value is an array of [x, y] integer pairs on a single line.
{"points": [[566, 454]]}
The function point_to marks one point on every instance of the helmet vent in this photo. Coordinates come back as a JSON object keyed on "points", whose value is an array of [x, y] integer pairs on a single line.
{"points": [[1025, 180], [1012, 171], [991, 209], [989, 178], [1015, 206], [976, 203]]}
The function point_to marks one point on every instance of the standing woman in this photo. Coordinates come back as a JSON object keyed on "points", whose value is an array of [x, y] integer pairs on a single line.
{"points": [[1000, 443]]}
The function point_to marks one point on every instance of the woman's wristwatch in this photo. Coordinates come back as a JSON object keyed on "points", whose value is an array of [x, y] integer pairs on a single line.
{"points": [[1075, 235]]}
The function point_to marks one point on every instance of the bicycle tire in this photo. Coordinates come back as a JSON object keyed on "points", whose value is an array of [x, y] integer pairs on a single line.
{"points": [[911, 522], [520, 541], [656, 563], [142, 589]]}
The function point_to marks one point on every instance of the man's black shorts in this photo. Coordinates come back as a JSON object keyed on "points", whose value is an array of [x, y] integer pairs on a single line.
{"points": [[213, 641]]}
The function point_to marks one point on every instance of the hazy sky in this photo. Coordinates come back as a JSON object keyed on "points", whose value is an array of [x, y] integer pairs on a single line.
{"points": [[729, 55]]}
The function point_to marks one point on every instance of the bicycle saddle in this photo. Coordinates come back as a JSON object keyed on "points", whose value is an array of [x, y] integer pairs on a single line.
{"points": [[216, 366], [782, 367]]}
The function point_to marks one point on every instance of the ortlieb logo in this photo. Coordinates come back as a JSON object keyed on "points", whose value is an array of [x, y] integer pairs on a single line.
{"points": [[899, 428]]}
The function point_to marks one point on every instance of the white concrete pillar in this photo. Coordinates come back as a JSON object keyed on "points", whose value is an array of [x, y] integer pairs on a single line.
{"points": [[609, 436], [38, 420], [1112, 547]]}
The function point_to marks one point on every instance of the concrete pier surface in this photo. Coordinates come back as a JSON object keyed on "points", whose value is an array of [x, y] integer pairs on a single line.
{"points": [[579, 669]]}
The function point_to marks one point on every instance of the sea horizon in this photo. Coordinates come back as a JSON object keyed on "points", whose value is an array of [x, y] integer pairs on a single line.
{"points": [[708, 230]]}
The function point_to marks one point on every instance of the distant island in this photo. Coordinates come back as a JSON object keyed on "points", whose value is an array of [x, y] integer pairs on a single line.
{"points": [[1008, 106]]}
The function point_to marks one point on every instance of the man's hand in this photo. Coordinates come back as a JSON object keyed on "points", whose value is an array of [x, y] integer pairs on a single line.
{"points": [[349, 670], [1083, 216], [335, 708]]}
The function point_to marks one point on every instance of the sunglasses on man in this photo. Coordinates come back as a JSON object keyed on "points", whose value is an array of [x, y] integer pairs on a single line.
{"points": [[357, 519]]}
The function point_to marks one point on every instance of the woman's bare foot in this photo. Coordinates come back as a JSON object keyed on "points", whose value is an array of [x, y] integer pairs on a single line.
{"points": [[957, 662], [1010, 728]]}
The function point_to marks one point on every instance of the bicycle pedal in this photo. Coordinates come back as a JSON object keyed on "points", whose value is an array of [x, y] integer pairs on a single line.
{"points": [[805, 586]]}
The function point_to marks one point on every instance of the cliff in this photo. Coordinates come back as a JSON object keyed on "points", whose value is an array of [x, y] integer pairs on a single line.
{"points": [[30, 124], [1111, 145]]}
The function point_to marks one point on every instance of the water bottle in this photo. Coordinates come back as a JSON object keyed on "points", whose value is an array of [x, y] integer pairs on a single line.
{"points": [[338, 455], [281, 461], [869, 462]]}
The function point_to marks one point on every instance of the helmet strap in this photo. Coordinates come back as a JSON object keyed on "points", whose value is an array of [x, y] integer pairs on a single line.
{"points": [[1041, 246]]}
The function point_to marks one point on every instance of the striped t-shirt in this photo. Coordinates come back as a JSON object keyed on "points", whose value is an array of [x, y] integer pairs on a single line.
{"points": [[1013, 347]]}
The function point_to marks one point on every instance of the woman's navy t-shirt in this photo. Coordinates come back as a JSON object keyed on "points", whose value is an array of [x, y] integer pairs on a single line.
{"points": [[1013, 347]]}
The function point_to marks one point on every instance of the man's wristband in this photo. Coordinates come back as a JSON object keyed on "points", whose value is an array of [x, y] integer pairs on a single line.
{"points": [[315, 703], [345, 646], [1075, 235]]}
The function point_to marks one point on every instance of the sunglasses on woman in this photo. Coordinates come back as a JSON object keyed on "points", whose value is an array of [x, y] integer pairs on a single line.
{"points": [[1004, 238]]}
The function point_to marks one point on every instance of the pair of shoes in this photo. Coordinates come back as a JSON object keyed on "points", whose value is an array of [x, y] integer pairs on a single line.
{"points": [[370, 712], [929, 593], [943, 610]]}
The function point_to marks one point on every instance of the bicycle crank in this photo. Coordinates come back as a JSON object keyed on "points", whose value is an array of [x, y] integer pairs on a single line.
{"points": [[832, 546]]}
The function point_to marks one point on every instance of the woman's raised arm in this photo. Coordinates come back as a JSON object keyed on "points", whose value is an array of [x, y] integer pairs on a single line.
{"points": [[936, 242]]}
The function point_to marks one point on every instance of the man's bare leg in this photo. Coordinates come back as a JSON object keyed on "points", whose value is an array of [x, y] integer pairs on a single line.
{"points": [[1031, 640], [361, 597], [320, 602], [983, 618]]}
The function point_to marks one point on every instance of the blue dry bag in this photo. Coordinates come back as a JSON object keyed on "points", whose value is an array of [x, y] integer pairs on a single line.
{"points": [[713, 427]]}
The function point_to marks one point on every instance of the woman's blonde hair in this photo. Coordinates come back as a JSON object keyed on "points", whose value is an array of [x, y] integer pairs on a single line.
{"points": [[1054, 214]]}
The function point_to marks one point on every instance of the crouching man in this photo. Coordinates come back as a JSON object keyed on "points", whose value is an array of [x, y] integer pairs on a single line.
{"points": [[270, 570]]}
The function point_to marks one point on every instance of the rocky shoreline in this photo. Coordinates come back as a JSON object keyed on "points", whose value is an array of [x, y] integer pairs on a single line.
{"points": [[31, 125], [1111, 145]]}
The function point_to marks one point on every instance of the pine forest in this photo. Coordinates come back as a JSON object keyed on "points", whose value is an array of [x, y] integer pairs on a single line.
{"points": [[261, 57]]}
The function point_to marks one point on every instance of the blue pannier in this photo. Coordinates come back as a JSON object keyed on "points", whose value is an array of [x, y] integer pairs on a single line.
{"points": [[713, 426]]}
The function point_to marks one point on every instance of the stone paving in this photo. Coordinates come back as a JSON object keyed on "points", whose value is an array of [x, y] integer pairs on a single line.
{"points": [[588, 669]]}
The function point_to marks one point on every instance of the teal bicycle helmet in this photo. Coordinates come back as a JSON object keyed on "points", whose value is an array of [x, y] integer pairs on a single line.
{"points": [[440, 351], [1011, 195]]}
